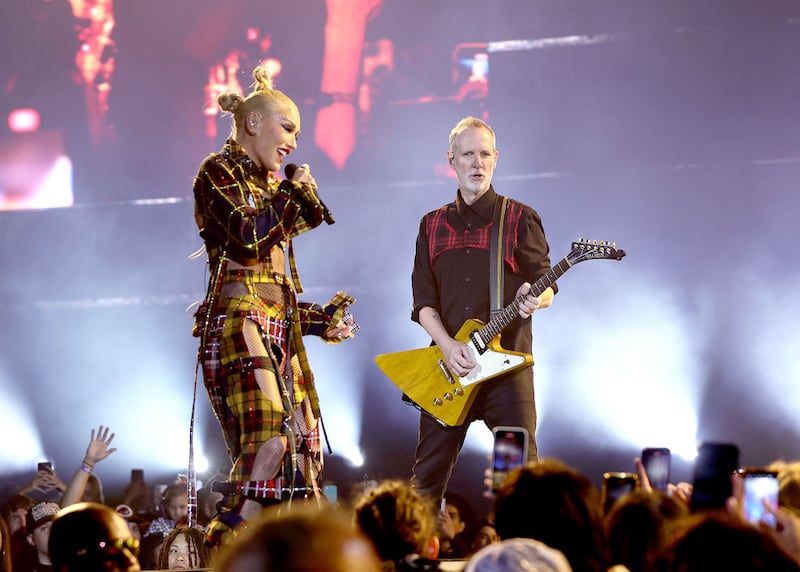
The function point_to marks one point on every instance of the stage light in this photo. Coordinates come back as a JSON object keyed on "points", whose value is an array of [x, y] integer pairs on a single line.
{"points": [[25, 449], [354, 455], [341, 396], [55, 190], [772, 339], [273, 66], [24, 120], [200, 463]]}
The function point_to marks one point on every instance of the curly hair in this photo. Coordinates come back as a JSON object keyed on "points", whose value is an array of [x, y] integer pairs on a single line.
{"points": [[396, 518]]}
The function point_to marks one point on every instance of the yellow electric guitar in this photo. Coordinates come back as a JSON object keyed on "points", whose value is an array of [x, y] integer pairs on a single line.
{"points": [[423, 375]]}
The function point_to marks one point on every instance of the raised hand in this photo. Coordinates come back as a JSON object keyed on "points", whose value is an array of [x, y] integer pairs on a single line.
{"points": [[99, 446]]}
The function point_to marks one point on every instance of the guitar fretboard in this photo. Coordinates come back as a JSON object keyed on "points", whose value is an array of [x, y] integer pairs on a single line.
{"points": [[498, 323]]}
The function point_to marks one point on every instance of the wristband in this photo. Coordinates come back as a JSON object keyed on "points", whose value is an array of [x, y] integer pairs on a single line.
{"points": [[87, 468]]}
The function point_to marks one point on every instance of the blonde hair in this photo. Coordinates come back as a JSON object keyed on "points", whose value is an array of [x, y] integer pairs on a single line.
{"points": [[263, 100], [469, 123]]}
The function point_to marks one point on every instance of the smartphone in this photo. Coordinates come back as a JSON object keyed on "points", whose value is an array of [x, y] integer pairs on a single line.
{"points": [[616, 486], [759, 484], [713, 469], [137, 475], [331, 492], [510, 450], [46, 466], [656, 461]]}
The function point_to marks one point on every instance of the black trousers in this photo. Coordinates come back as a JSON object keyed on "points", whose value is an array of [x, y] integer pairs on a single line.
{"points": [[506, 400]]}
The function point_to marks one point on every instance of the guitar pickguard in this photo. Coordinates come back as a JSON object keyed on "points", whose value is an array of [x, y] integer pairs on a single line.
{"points": [[491, 363], [425, 378]]}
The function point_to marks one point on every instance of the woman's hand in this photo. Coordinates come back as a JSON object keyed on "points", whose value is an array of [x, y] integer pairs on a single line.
{"points": [[340, 331]]}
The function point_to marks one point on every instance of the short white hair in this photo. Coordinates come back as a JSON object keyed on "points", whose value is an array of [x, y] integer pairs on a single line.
{"points": [[469, 123], [517, 555]]}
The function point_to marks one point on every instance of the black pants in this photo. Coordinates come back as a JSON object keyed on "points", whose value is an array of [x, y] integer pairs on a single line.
{"points": [[500, 401]]}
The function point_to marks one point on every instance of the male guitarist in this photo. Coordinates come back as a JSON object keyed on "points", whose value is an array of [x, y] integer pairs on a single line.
{"points": [[451, 284]]}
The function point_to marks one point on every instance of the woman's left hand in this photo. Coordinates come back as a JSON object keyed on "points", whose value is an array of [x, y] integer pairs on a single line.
{"points": [[339, 332]]}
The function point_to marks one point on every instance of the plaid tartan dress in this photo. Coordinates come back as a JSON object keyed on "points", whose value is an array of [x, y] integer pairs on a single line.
{"points": [[251, 321]]}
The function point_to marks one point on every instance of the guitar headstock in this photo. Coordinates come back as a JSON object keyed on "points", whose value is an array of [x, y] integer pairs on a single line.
{"points": [[585, 249]]}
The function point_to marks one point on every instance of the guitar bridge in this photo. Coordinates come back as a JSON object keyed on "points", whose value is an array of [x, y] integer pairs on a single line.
{"points": [[446, 372]]}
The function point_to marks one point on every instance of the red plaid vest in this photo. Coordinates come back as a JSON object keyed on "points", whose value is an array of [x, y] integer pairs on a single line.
{"points": [[443, 237]]}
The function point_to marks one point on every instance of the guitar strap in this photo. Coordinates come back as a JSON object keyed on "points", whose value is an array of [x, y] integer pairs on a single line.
{"points": [[496, 258]]}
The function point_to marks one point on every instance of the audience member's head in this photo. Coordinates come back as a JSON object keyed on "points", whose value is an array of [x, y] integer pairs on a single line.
{"points": [[485, 534], [298, 538], [15, 510], [460, 511], [184, 548], [90, 537], [134, 521], [398, 521], [635, 527], [518, 554], [556, 504], [175, 503], [718, 541], [174, 510], [39, 519]]}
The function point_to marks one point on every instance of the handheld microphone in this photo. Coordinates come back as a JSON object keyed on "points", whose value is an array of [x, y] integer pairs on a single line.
{"points": [[289, 170]]}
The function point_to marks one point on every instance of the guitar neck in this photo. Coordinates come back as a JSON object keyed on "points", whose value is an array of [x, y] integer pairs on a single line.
{"points": [[499, 322]]}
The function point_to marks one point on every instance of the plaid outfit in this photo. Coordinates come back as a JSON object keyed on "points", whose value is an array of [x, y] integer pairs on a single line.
{"points": [[247, 219]]}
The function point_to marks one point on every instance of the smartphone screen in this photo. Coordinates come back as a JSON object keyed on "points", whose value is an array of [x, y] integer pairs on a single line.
{"points": [[759, 484], [616, 486], [713, 470], [331, 493], [510, 451], [137, 475], [656, 461], [46, 466]]}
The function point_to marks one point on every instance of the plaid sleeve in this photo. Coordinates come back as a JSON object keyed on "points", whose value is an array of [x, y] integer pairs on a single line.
{"points": [[225, 203], [315, 319]]}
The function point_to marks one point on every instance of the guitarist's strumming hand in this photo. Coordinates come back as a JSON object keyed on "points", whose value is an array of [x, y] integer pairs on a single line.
{"points": [[458, 357], [456, 354]]}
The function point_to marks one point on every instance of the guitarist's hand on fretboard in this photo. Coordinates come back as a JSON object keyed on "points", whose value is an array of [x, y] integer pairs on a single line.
{"points": [[527, 302]]}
